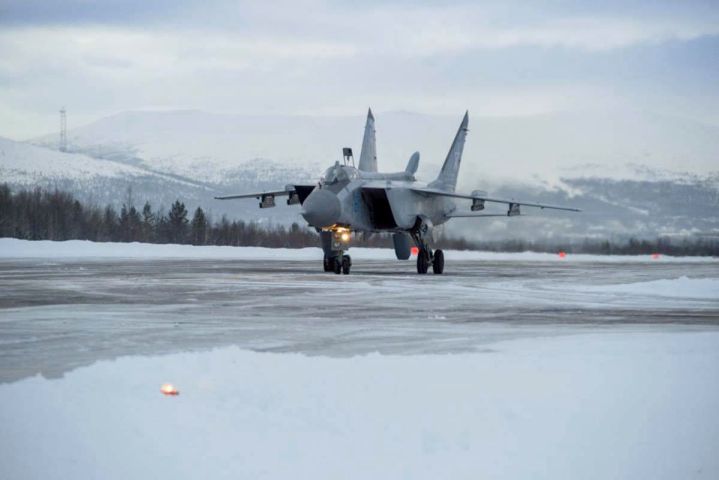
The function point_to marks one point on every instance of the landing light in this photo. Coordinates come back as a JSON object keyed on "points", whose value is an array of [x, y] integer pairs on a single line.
{"points": [[345, 236]]}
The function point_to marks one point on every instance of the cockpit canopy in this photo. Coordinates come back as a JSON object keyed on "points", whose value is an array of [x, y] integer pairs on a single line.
{"points": [[338, 175]]}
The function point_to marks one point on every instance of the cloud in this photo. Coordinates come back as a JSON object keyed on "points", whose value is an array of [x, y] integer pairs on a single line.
{"points": [[82, 12], [307, 55], [383, 28]]}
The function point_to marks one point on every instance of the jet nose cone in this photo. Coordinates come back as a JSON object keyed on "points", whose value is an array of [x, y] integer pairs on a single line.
{"points": [[321, 208]]}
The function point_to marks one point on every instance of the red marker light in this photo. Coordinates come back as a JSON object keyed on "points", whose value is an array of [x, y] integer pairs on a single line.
{"points": [[414, 251], [169, 389], [655, 256], [562, 254]]}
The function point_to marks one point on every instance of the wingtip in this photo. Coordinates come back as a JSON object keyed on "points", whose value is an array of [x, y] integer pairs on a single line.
{"points": [[369, 113]]}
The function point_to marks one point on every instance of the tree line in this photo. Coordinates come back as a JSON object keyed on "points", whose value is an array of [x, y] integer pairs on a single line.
{"points": [[40, 214], [684, 246]]}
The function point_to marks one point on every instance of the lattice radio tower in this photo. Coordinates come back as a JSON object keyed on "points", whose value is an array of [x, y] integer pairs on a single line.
{"points": [[63, 130]]}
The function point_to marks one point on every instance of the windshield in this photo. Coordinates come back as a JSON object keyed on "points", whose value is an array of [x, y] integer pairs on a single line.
{"points": [[331, 175], [337, 174]]}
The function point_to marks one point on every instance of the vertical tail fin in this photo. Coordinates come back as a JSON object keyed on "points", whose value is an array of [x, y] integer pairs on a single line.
{"points": [[412, 164], [447, 179], [368, 155]]}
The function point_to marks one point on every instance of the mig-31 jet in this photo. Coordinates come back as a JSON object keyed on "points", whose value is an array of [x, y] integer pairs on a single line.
{"points": [[349, 200]]}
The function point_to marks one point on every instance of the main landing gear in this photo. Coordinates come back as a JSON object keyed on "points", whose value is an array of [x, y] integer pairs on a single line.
{"points": [[338, 263], [426, 257]]}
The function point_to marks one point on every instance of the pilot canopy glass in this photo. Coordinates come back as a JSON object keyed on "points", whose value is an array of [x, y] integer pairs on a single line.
{"points": [[338, 176]]}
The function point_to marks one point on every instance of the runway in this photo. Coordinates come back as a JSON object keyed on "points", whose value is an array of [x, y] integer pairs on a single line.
{"points": [[59, 314]]}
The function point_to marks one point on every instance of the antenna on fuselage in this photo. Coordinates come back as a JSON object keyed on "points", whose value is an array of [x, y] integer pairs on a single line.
{"points": [[348, 157]]}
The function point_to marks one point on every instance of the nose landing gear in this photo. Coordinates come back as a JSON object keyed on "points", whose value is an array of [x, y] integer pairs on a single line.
{"points": [[338, 264], [334, 244]]}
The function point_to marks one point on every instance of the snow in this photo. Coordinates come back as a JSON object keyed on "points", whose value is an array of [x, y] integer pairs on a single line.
{"points": [[627, 404], [682, 287], [12, 248], [26, 164], [203, 145]]}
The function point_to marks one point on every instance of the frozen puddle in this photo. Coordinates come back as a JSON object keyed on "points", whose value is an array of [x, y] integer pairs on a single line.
{"points": [[602, 405]]}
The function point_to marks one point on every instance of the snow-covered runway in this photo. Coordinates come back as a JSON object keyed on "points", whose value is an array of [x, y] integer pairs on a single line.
{"points": [[74, 303], [591, 406], [507, 366]]}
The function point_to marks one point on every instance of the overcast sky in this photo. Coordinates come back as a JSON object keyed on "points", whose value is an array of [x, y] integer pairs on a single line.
{"points": [[494, 58]]}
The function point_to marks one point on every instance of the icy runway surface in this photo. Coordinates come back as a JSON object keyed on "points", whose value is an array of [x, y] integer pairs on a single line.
{"points": [[508, 366], [60, 313]]}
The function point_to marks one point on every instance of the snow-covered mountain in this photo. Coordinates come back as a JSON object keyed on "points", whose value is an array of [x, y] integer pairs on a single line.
{"points": [[207, 146], [621, 167], [113, 177], [24, 164]]}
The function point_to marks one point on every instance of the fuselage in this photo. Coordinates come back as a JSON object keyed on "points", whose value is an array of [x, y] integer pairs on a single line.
{"points": [[372, 202]]}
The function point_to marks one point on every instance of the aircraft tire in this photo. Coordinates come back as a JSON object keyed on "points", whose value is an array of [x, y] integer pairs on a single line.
{"points": [[346, 264], [326, 263], [337, 265], [422, 261], [438, 262]]}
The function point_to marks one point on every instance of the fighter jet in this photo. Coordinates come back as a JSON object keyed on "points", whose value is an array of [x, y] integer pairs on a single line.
{"points": [[351, 199]]}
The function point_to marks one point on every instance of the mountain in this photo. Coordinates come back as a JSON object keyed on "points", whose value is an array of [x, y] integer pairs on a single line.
{"points": [[25, 164], [207, 146], [114, 178], [619, 166], [612, 208]]}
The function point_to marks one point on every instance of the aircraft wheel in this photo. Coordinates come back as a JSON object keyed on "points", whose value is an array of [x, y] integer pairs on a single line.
{"points": [[346, 264], [337, 265], [438, 262], [327, 264], [422, 261]]}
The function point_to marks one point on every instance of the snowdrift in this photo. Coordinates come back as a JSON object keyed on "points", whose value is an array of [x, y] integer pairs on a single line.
{"points": [[635, 405], [16, 248]]}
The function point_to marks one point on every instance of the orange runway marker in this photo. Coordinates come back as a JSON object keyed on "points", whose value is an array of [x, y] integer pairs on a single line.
{"points": [[169, 389]]}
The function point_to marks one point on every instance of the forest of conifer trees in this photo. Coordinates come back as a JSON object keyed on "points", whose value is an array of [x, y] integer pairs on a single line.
{"points": [[55, 215], [40, 214]]}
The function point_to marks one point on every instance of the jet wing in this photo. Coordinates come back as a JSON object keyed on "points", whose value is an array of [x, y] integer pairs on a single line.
{"points": [[276, 193], [475, 215], [480, 199], [296, 194]]}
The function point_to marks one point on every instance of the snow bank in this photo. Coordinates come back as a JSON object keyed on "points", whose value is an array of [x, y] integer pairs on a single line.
{"points": [[631, 405], [16, 248]]}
